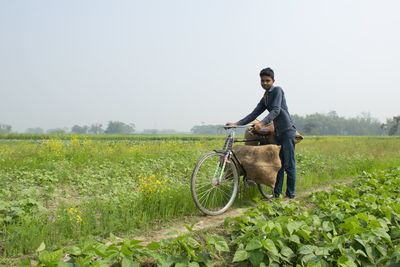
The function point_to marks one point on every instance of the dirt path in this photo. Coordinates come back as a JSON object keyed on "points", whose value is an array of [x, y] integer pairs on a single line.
{"points": [[205, 222], [202, 222]]}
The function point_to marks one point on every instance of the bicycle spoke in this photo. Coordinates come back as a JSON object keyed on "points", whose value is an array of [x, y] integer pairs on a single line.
{"points": [[203, 186], [212, 200], [206, 194], [218, 197], [202, 194], [220, 194], [223, 191], [204, 197]]}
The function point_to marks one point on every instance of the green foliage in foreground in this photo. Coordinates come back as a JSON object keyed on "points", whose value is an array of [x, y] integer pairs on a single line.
{"points": [[349, 226]]}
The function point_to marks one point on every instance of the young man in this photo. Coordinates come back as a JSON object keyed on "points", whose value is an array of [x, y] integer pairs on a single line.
{"points": [[285, 132]]}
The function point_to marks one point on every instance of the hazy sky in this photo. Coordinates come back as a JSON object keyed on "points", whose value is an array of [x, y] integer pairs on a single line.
{"points": [[176, 64]]}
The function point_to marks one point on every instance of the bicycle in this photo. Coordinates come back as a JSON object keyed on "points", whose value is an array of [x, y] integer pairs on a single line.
{"points": [[215, 178]]}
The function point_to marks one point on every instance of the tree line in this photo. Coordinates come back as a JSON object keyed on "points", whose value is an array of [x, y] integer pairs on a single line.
{"points": [[328, 124], [113, 127], [312, 124]]}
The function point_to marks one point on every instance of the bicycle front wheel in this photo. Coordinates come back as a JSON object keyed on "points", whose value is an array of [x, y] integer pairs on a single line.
{"points": [[214, 185]]}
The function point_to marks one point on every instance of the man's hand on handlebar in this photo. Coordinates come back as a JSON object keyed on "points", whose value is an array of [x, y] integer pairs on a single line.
{"points": [[258, 126]]}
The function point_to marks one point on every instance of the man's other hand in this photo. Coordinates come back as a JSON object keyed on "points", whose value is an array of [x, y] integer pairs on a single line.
{"points": [[258, 126]]}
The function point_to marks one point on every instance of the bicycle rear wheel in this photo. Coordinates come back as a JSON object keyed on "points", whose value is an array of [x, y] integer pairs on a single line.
{"points": [[266, 191], [213, 185]]}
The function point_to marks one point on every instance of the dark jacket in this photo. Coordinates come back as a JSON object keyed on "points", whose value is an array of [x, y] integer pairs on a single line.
{"points": [[275, 103]]}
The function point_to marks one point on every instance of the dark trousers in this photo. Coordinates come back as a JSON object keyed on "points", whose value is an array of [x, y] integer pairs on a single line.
{"points": [[286, 140]]}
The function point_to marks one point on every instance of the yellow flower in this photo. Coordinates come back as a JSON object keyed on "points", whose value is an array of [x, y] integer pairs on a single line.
{"points": [[152, 184], [74, 215]]}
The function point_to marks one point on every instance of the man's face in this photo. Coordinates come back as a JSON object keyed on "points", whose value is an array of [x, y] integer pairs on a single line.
{"points": [[266, 82]]}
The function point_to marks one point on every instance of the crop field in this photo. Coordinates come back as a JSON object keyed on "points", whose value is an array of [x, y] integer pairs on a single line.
{"points": [[70, 192]]}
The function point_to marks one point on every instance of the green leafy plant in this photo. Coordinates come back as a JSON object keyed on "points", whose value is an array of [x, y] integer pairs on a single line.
{"points": [[349, 226]]}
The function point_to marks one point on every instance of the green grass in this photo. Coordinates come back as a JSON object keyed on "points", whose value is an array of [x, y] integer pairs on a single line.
{"points": [[122, 184], [321, 159], [355, 225]]}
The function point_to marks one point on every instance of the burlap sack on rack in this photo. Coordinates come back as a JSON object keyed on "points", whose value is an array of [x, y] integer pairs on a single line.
{"points": [[267, 139], [261, 163]]}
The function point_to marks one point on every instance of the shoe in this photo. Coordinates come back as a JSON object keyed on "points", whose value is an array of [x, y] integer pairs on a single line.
{"points": [[288, 199]]}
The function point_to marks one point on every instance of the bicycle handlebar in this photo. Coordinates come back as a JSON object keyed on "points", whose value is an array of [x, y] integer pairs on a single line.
{"points": [[238, 126]]}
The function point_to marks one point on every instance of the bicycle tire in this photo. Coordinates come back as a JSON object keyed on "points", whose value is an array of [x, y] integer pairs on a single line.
{"points": [[210, 196], [264, 191]]}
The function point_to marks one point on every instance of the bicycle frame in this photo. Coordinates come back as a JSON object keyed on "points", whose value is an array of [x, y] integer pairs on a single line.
{"points": [[214, 188], [230, 139]]}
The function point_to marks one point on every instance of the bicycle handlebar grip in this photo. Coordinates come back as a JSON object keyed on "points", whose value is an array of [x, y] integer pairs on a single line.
{"points": [[226, 126]]}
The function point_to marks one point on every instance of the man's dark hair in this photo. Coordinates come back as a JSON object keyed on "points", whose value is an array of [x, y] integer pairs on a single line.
{"points": [[267, 72]]}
